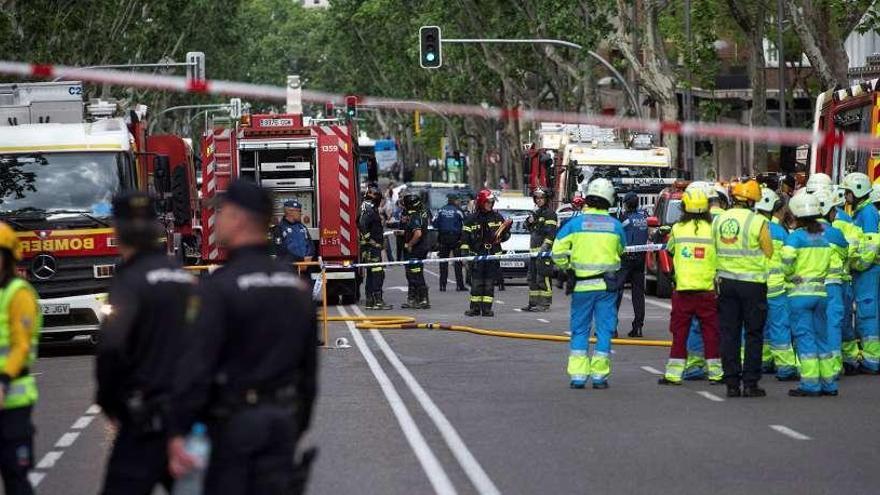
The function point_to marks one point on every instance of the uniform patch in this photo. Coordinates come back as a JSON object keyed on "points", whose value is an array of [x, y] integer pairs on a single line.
{"points": [[699, 253], [729, 231]]}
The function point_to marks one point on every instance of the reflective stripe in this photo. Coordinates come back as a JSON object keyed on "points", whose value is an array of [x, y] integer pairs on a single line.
{"points": [[695, 240], [747, 277], [607, 267], [589, 283], [775, 271], [807, 288], [740, 252]]}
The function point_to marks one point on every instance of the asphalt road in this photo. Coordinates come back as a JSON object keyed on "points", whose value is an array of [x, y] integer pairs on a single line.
{"points": [[418, 411]]}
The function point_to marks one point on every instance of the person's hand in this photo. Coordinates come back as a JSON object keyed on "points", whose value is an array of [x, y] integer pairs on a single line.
{"points": [[180, 462]]}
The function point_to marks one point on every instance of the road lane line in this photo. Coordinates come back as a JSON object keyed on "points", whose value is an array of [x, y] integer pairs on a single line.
{"points": [[95, 409], [430, 464], [542, 320], [67, 439], [653, 371], [49, 459], [36, 478], [432, 273], [463, 455], [789, 432], [498, 301], [82, 422], [709, 395], [518, 310]]}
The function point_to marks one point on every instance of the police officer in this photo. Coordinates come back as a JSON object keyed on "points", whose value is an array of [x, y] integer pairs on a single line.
{"points": [[484, 231], [140, 341], [20, 323], [415, 238], [542, 225], [371, 240], [744, 246], [591, 246], [249, 366], [449, 223], [632, 269], [296, 242]]}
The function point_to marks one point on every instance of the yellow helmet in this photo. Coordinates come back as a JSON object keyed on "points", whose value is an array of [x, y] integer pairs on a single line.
{"points": [[695, 201], [749, 190], [9, 240]]}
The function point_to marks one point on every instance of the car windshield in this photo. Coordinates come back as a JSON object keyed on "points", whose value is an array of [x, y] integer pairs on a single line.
{"points": [[437, 197], [519, 218], [69, 182], [673, 212]]}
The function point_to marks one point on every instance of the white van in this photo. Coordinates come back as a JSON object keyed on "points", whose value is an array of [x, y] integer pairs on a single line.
{"points": [[518, 207]]}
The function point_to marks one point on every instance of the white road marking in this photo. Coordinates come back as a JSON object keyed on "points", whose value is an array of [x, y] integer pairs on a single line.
{"points": [[397, 287], [709, 395], [67, 439], [542, 320], [653, 371], [36, 478], [649, 300], [50, 459], [499, 301], [82, 422], [789, 432], [462, 454], [95, 409], [432, 273], [518, 310], [430, 464]]}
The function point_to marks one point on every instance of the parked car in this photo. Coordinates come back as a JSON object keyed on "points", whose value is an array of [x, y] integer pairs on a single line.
{"points": [[658, 264], [517, 207]]}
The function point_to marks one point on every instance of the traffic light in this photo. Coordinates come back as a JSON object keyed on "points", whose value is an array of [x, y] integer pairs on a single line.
{"points": [[328, 110], [195, 70], [430, 53], [351, 109]]}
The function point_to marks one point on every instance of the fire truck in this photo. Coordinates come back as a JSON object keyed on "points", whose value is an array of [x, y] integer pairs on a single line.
{"points": [[567, 157], [61, 163], [293, 158], [848, 110]]}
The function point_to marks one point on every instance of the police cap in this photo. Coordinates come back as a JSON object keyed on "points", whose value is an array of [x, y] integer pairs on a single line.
{"points": [[294, 204], [248, 196]]}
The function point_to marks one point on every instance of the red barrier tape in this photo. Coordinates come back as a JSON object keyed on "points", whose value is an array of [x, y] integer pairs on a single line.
{"points": [[277, 93]]}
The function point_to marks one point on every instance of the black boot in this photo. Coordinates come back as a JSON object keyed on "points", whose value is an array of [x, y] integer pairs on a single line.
{"points": [[379, 302], [459, 287], [635, 333], [754, 391], [442, 287], [487, 309], [424, 302], [474, 310], [369, 303], [410, 299]]}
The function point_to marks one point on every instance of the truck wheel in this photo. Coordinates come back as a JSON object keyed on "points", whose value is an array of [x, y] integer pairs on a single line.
{"points": [[664, 285]]}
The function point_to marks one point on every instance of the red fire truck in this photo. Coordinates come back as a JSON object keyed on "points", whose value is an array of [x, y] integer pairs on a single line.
{"points": [[61, 162], [293, 159]]}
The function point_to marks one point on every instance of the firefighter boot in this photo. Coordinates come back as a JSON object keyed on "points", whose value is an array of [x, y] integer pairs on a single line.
{"points": [[474, 310], [487, 309], [379, 302], [424, 302], [410, 300], [370, 302]]}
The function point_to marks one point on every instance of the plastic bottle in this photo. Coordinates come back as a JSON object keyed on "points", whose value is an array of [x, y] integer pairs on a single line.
{"points": [[199, 446]]}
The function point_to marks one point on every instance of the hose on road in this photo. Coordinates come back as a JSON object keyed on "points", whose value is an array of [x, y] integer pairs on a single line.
{"points": [[398, 322]]}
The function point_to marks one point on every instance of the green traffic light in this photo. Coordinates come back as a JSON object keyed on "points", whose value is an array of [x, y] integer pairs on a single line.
{"points": [[430, 57]]}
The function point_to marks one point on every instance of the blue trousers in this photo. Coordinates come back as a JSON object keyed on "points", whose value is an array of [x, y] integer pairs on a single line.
{"points": [[586, 308], [849, 344], [813, 347], [778, 334], [866, 287], [695, 366], [834, 314]]}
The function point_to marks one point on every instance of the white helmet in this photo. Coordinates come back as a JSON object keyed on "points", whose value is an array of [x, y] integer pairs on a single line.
{"points": [[698, 184], [818, 181], [825, 196], [857, 183], [602, 188], [804, 206], [769, 201], [875, 193], [838, 195]]}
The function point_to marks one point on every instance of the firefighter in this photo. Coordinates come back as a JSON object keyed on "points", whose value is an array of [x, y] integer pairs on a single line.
{"points": [[20, 323], [371, 241], [867, 279], [632, 270], [137, 352], [743, 246], [296, 241], [591, 246], [693, 249], [484, 231], [542, 225], [249, 365], [806, 260], [449, 224], [777, 355], [415, 238]]}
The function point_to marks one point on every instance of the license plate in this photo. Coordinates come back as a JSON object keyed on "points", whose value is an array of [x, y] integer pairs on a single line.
{"points": [[513, 264], [56, 309]]}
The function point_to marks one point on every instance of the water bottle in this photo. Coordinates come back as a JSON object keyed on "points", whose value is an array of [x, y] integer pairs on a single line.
{"points": [[199, 446]]}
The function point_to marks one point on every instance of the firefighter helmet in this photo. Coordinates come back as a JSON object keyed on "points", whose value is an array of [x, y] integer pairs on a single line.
{"points": [[748, 190], [857, 183], [8, 240], [804, 206], [483, 197], [695, 201], [769, 201], [818, 181], [603, 189], [826, 198]]}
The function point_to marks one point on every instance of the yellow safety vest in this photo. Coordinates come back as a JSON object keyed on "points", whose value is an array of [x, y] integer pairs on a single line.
{"points": [[591, 245], [693, 255], [737, 232], [775, 273], [22, 390]]}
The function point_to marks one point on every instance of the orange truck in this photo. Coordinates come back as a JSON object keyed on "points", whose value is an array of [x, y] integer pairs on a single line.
{"points": [[61, 162]]}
